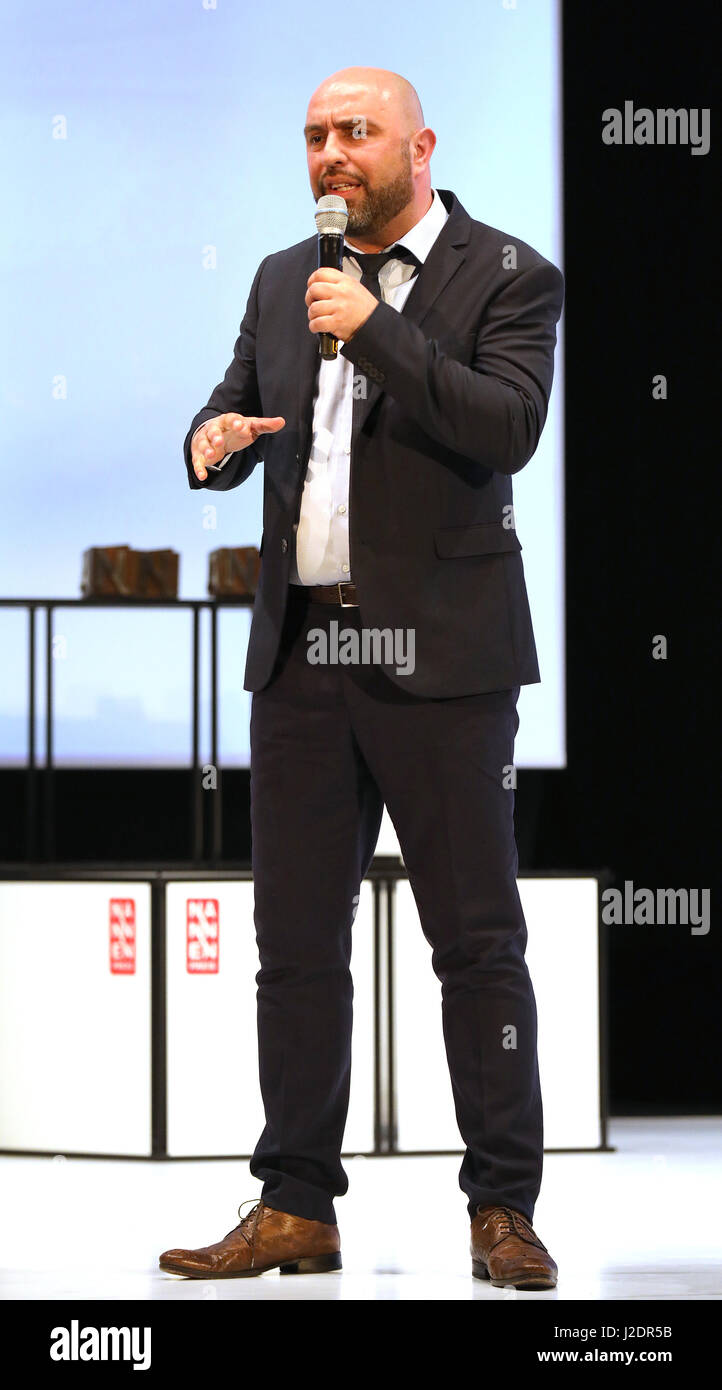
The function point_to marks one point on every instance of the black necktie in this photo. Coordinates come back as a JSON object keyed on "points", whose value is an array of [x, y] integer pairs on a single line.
{"points": [[371, 264]]}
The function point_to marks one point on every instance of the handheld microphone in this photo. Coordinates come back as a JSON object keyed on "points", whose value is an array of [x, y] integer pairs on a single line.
{"points": [[331, 219]]}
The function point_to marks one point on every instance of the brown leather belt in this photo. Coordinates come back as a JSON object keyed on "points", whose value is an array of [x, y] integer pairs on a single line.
{"points": [[343, 594]]}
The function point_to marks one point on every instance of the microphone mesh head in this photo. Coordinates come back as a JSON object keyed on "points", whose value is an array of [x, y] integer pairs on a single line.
{"points": [[331, 214]]}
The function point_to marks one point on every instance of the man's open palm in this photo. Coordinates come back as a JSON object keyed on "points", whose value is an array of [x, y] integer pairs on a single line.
{"points": [[227, 433]]}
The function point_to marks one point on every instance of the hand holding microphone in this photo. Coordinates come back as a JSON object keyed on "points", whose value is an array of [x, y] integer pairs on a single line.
{"points": [[337, 304], [331, 217]]}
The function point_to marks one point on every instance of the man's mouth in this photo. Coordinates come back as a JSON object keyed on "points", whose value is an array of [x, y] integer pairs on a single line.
{"points": [[341, 185]]}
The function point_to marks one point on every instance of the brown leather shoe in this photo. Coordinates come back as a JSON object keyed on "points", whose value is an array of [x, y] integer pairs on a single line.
{"points": [[506, 1250], [265, 1239]]}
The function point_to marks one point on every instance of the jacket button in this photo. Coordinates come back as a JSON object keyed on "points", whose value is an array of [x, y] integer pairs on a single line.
{"points": [[284, 545]]}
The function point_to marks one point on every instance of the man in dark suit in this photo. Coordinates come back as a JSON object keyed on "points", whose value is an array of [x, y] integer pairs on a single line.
{"points": [[387, 507]]}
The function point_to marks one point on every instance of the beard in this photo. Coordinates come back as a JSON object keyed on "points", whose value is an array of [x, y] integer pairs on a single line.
{"points": [[374, 208]]}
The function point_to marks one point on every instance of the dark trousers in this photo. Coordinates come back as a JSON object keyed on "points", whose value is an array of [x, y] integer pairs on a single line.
{"points": [[330, 744]]}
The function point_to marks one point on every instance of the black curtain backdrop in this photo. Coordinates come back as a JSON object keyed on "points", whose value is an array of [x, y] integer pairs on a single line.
{"points": [[642, 298]]}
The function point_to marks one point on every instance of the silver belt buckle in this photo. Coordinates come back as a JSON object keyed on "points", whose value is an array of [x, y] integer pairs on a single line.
{"points": [[344, 584]]}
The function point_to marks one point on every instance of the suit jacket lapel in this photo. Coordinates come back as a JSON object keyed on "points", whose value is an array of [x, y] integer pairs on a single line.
{"points": [[309, 359]]}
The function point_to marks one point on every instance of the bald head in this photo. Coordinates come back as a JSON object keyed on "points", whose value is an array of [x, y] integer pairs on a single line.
{"points": [[367, 142], [388, 91]]}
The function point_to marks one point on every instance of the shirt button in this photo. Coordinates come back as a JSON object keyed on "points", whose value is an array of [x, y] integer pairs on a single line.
{"points": [[284, 545], [342, 508], [345, 569], [347, 451]]}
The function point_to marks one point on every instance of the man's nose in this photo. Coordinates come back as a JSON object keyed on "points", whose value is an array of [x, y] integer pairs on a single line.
{"points": [[333, 149]]}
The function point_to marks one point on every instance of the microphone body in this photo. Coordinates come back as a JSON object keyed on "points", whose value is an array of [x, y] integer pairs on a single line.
{"points": [[331, 218], [330, 253]]}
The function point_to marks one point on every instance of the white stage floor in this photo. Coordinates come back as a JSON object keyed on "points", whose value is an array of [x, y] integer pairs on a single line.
{"points": [[644, 1222]]}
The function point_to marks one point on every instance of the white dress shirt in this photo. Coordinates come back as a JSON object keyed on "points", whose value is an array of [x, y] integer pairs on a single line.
{"points": [[321, 550]]}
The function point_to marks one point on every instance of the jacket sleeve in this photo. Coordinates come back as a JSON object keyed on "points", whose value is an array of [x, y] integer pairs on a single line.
{"points": [[237, 391], [494, 410]]}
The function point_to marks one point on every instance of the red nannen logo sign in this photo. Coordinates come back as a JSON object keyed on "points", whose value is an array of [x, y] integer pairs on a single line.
{"points": [[122, 936], [202, 936]]}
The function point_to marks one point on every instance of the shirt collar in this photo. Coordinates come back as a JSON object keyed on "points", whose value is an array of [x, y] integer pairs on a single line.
{"points": [[421, 237]]}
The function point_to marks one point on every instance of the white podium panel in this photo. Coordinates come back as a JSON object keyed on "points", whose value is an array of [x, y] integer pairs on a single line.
{"points": [[562, 921], [388, 841], [214, 1103], [75, 1019], [562, 916]]}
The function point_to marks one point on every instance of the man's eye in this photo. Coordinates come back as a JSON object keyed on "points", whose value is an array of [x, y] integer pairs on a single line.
{"points": [[312, 138]]}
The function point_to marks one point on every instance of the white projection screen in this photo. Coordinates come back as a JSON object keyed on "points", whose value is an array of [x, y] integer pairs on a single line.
{"points": [[155, 155]]}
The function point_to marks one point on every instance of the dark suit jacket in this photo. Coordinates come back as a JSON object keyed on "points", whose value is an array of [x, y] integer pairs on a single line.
{"points": [[458, 388]]}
